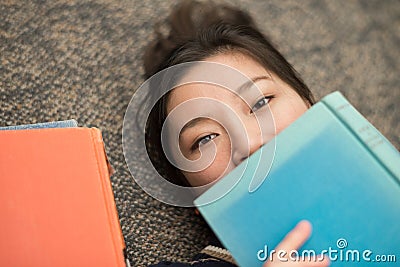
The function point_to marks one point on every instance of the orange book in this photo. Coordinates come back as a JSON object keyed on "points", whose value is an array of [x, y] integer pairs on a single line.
{"points": [[56, 202]]}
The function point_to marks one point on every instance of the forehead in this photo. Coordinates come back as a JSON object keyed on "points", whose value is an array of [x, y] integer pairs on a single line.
{"points": [[238, 61], [197, 90]]}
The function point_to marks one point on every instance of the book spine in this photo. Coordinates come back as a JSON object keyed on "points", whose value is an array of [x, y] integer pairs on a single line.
{"points": [[52, 124], [104, 173], [379, 147]]}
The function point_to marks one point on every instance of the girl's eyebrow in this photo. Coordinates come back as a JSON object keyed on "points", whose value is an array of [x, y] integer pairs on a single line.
{"points": [[191, 124], [248, 84], [241, 88], [244, 86]]}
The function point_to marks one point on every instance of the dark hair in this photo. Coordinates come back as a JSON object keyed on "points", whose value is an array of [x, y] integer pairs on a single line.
{"points": [[193, 32]]}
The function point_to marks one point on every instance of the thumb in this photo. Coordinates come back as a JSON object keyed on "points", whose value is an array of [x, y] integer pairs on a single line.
{"points": [[296, 237]]}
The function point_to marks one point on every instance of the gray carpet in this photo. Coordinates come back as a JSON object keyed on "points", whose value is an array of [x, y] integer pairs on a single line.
{"points": [[82, 60]]}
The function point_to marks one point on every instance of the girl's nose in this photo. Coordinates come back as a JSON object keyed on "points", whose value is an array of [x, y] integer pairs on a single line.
{"points": [[242, 150]]}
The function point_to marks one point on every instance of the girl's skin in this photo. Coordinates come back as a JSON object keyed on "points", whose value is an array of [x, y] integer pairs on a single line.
{"points": [[286, 106]]}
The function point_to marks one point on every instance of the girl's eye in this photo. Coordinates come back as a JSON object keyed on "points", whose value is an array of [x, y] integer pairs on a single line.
{"points": [[203, 140], [260, 103]]}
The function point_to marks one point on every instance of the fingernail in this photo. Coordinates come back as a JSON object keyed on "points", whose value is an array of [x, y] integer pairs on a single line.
{"points": [[304, 224]]}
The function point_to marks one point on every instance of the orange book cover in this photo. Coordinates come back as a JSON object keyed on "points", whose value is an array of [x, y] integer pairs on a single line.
{"points": [[57, 206]]}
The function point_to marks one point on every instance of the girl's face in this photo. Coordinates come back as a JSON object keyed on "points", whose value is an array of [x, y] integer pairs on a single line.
{"points": [[206, 134]]}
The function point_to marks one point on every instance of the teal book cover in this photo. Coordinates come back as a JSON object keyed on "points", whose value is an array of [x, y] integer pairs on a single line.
{"points": [[51, 124], [332, 168]]}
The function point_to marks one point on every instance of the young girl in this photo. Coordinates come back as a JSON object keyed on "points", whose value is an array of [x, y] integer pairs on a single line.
{"points": [[226, 36]]}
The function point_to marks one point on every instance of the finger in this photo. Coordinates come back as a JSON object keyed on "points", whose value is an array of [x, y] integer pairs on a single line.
{"points": [[316, 263], [300, 263], [296, 237]]}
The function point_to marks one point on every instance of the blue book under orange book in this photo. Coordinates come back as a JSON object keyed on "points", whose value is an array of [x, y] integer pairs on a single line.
{"points": [[332, 168]]}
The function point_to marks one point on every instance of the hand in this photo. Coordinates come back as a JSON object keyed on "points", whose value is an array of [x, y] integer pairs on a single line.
{"points": [[293, 241]]}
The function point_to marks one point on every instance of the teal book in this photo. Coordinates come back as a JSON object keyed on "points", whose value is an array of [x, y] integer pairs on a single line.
{"points": [[332, 168], [52, 124]]}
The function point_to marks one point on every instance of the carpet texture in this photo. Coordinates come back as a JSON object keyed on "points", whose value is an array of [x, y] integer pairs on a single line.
{"points": [[82, 60]]}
